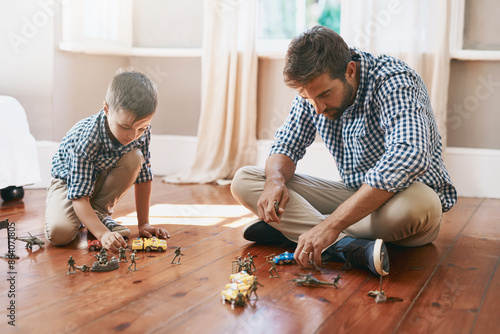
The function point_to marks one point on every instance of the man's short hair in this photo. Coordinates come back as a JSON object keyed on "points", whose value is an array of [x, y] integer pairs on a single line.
{"points": [[316, 51], [132, 91]]}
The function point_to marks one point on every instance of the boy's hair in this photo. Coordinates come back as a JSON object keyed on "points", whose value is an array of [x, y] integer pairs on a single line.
{"points": [[316, 51], [132, 91]]}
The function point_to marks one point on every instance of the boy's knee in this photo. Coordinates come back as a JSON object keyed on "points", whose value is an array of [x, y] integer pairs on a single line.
{"points": [[133, 159], [61, 234]]}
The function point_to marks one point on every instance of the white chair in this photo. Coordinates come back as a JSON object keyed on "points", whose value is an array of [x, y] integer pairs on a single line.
{"points": [[18, 151]]}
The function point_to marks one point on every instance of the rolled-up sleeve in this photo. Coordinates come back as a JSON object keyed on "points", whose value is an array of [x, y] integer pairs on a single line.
{"points": [[146, 172], [297, 133], [403, 116]]}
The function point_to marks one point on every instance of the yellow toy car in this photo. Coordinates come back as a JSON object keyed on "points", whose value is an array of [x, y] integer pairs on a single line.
{"points": [[149, 244], [235, 293], [242, 277]]}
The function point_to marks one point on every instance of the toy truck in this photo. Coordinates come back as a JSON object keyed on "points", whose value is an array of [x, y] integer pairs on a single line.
{"points": [[149, 244]]}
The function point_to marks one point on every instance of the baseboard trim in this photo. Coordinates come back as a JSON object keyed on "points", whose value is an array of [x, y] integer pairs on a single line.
{"points": [[473, 171]]}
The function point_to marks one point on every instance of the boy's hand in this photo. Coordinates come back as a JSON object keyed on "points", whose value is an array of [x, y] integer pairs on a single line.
{"points": [[112, 241], [147, 231]]}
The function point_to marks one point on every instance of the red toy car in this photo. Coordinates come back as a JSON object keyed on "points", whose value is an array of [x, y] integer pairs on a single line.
{"points": [[94, 245]]}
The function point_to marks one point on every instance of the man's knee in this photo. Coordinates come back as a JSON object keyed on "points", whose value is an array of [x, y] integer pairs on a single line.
{"points": [[241, 180], [413, 215]]}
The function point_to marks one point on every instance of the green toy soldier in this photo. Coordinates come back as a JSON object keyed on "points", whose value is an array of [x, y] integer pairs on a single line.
{"points": [[250, 260], [132, 261], [253, 288], [270, 260], [240, 264], [122, 257], [239, 300], [177, 255], [71, 264]]}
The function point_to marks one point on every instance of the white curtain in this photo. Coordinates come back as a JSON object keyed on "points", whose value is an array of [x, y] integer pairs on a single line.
{"points": [[415, 31], [227, 125]]}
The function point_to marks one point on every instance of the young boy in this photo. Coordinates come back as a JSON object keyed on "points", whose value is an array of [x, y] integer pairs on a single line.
{"points": [[99, 160]]}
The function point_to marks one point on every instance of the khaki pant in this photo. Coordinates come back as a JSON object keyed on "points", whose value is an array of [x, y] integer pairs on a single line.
{"points": [[61, 221], [410, 218]]}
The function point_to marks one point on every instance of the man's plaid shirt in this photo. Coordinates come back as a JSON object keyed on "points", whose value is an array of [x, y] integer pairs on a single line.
{"points": [[388, 138], [86, 150]]}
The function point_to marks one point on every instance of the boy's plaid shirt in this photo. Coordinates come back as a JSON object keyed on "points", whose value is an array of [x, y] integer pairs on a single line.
{"points": [[86, 150]]}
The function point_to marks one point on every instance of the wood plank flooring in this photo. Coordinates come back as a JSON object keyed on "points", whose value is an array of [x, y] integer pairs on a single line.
{"points": [[450, 286]]}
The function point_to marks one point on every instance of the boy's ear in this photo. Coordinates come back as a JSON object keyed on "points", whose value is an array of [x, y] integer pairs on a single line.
{"points": [[105, 108]]}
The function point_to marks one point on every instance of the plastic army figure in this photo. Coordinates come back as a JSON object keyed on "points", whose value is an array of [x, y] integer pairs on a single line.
{"points": [[132, 261], [250, 260], [239, 300], [103, 256], [240, 264], [122, 257], [71, 264], [253, 288], [380, 296], [177, 255], [269, 259]]}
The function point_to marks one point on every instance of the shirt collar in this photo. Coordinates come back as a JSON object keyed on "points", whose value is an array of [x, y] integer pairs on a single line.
{"points": [[360, 56], [101, 119]]}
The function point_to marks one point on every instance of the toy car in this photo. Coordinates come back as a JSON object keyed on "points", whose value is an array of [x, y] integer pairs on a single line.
{"points": [[242, 277], [284, 258], [94, 245], [235, 293], [149, 244]]}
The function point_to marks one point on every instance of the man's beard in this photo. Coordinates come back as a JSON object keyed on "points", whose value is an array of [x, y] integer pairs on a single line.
{"points": [[335, 113]]}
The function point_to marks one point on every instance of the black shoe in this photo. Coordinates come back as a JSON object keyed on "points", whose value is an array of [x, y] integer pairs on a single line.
{"points": [[360, 253], [262, 233]]}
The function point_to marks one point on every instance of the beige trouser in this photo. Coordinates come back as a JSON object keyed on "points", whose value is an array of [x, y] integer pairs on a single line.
{"points": [[61, 221], [410, 218]]}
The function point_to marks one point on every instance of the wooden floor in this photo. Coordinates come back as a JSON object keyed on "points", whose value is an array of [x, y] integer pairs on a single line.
{"points": [[450, 286]]}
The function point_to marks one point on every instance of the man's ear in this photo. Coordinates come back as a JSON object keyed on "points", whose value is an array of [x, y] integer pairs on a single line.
{"points": [[350, 71]]}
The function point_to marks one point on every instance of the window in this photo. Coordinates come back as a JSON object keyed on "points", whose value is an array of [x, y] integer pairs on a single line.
{"points": [[96, 24], [281, 20]]}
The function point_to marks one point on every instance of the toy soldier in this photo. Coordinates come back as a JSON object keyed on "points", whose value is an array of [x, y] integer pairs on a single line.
{"points": [[239, 300], [240, 264], [253, 288], [270, 260], [247, 266], [84, 268], [103, 256], [177, 255], [132, 261], [250, 260], [122, 257], [71, 264]]}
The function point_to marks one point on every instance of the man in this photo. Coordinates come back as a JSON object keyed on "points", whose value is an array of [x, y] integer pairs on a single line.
{"points": [[375, 117]]}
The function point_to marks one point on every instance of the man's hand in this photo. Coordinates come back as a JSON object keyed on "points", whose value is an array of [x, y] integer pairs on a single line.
{"points": [[147, 231], [313, 242], [272, 202], [112, 241], [279, 170]]}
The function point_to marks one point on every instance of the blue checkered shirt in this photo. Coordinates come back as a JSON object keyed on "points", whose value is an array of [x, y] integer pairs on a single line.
{"points": [[388, 138], [86, 150]]}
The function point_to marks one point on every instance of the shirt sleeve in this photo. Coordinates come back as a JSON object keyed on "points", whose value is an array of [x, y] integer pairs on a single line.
{"points": [[297, 133], [146, 173], [404, 106]]}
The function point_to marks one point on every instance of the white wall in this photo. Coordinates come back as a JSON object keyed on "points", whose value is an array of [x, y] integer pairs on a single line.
{"points": [[27, 60]]}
